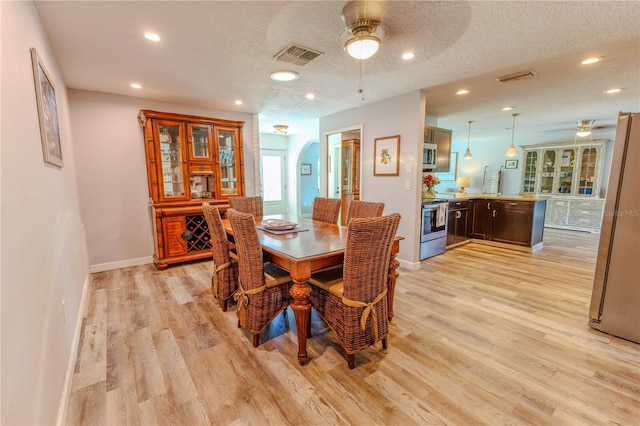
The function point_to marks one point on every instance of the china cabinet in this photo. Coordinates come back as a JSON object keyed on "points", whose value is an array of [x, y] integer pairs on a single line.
{"points": [[350, 175], [190, 159], [570, 174]]}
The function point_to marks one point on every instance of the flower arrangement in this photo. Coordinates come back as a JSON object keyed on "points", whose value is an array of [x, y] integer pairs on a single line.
{"points": [[430, 181]]}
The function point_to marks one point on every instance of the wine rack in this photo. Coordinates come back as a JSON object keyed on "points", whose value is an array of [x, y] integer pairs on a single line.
{"points": [[197, 233]]}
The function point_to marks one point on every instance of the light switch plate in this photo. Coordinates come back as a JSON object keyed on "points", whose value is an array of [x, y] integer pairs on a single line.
{"points": [[407, 185], [409, 168]]}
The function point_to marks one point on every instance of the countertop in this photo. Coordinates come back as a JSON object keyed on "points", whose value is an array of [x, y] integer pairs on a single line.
{"points": [[515, 197]]}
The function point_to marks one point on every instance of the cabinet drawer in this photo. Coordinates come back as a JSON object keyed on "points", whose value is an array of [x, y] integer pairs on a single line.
{"points": [[585, 222], [201, 168], [513, 205], [458, 205], [587, 204], [580, 213]]}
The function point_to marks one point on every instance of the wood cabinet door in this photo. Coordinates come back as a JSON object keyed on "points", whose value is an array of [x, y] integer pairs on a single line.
{"points": [[172, 160], [462, 225], [199, 142], [511, 225], [172, 228], [481, 222]]}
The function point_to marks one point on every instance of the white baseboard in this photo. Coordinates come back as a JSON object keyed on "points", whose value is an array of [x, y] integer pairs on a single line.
{"points": [[412, 266], [73, 354], [100, 267]]}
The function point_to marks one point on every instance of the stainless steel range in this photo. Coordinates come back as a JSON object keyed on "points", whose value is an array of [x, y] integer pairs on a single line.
{"points": [[433, 230]]}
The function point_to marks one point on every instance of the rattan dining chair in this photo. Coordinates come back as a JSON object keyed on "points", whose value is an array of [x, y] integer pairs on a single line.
{"points": [[263, 288], [359, 208], [352, 299], [326, 209], [251, 205], [224, 281]]}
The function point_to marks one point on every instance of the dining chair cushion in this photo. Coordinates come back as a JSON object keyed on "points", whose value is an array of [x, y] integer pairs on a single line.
{"points": [[274, 275], [329, 280]]}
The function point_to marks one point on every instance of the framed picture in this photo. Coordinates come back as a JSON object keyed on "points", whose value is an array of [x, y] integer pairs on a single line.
{"points": [[47, 112], [386, 160], [305, 168], [511, 164]]}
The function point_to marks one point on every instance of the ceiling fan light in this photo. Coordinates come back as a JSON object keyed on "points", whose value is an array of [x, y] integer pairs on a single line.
{"points": [[584, 133], [362, 46]]}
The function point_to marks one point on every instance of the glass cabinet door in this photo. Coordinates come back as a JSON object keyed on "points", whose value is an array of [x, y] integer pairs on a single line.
{"points": [[199, 138], [565, 174], [529, 172], [171, 159], [227, 161], [588, 161], [547, 171], [347, 157], [356, 171]]}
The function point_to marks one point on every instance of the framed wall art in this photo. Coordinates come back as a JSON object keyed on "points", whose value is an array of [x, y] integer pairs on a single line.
{"points": [[305, 168], [47, 112], [386, 160], [511, 164]]}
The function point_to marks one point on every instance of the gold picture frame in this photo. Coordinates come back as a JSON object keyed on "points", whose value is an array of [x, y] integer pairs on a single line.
{"points": [[47, 112], [386, 156]]}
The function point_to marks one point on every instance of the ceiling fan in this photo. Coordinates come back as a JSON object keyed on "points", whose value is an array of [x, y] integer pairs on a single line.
{"points": [[585, 127]]}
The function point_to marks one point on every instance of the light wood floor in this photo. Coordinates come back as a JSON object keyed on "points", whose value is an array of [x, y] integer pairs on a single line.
{"points": [[482, 335]]}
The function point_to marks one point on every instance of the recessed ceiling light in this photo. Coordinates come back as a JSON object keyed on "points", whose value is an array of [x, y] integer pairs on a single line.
{"points": [[507, 108], [614, 90], [462, 92], [408, 55], [310, 96], [589, 61], [284, 75], [238, 102], [152, 36], [136, 86]]}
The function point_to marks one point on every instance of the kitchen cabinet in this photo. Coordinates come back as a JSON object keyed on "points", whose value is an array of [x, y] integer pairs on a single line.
{"points": [[457, 222], [442, 138], [190, 159], [570, 174], [350, 175], [519, 222]]}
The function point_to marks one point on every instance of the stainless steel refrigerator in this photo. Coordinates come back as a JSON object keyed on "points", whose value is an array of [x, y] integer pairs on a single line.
{"points": [[615, 301]]}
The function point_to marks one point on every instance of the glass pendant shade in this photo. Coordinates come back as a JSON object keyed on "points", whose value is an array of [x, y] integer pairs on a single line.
{"points": [[511, 152], [467, 154], [362, 46], [583, 133]]}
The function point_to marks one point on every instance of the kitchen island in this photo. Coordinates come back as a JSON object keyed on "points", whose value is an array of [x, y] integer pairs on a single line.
{"points": [[510, 221]]}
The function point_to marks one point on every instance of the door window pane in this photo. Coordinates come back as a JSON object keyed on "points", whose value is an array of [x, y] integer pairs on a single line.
{"points": [[272, 184]]}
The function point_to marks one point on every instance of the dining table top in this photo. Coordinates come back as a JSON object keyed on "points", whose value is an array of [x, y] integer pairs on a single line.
{"points": [[314, 239]]}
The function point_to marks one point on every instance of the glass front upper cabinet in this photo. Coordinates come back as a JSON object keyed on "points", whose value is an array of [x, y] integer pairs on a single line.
{"points": [[171, 153], [547, 171], [588, 162], [227, 161], [199, 138], [565, 173], [529, 172]]}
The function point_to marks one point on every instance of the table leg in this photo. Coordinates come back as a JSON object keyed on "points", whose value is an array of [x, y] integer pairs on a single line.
{"points": [[391, 284], [301, 310]]}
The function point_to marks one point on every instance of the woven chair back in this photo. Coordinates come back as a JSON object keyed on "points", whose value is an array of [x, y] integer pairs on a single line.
{"points": [[251, 205], [219, 241], [248, 248], [326, 209], [359, 208], [367, 256]]}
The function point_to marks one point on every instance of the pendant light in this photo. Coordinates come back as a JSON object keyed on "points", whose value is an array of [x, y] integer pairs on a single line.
{"points": [[511, 152], [468, 154]]}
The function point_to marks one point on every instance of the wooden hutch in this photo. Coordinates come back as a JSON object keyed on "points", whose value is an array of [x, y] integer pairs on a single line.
{"points": [[190, 160]]}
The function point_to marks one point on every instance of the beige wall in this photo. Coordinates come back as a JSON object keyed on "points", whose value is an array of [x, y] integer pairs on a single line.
{"points": [[112, 177], [41, 232]]}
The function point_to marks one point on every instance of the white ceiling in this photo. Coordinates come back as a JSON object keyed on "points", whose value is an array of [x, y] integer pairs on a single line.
{"points": [[214, 52]]}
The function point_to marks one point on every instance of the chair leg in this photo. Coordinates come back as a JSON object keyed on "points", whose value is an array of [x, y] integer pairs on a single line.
{"points": [[239, 323], [256, 340], [351, 361], [385, 344], [223, 304]]}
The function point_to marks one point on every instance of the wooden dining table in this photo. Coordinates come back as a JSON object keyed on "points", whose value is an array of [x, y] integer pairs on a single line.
{"points": [[315, 246]]}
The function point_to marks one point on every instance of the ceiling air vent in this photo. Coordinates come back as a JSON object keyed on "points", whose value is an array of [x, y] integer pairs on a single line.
{"points": [[520, 75], [298, 55]]}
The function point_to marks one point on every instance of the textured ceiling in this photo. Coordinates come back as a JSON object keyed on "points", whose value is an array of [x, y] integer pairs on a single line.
{"points": [[214, 52]]}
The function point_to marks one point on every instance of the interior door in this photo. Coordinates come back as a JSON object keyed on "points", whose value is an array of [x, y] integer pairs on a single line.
{"points": [[273, 177]]}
